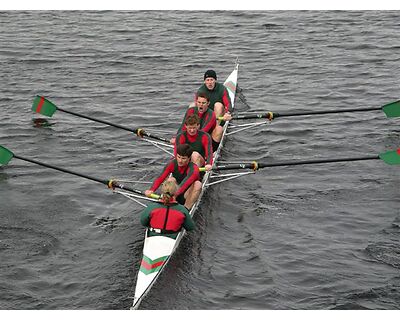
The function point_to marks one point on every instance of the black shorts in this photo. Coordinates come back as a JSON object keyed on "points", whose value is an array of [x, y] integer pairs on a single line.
{"points": [[181, 198]]}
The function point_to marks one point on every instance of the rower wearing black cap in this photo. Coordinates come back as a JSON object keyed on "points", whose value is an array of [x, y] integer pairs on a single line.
{"points": [[217, 93]]}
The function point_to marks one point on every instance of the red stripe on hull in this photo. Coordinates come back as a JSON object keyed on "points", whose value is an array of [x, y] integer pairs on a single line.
{"points": [[148, 266]]}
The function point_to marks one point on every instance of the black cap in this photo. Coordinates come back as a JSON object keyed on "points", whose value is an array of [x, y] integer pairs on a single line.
{"points": [[210, 74]]}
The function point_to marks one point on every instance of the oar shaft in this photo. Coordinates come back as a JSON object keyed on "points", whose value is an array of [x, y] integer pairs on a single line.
{"points": [[307, 113], [98, 120], [273, 115], [139, 132], [255, 165], [61, 169], [103, 181], [296, 163]]}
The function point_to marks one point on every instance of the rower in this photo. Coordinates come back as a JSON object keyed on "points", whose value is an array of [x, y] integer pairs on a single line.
{"points": [[208, 121], [200, 142], [184, 173], [166, 218], [218, 95]]}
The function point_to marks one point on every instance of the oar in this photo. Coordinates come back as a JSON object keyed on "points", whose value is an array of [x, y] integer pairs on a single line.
{"points": [[390, 157], [392, 110], [6, 155], [47, 108]]}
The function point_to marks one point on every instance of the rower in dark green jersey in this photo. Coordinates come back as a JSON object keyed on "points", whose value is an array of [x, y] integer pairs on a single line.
{"points": [[218, 95]]}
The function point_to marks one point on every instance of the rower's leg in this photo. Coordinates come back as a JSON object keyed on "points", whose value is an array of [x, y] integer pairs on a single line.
{"points": [[192, 194], [216, 134], [215, 145], [198, 159], [219, 109]]}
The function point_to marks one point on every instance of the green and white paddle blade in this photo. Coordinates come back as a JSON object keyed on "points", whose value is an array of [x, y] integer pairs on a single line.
{"points": [[392, 110], [391, 157], [5, 155], [43, 106]]}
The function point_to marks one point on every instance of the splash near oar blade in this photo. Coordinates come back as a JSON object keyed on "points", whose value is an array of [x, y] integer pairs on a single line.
{"points": [[43, 106], [5, 155], [392, 110], [391, 157]]}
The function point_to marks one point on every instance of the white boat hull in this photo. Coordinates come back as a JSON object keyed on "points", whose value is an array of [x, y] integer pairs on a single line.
{"points": [[158, 250]]}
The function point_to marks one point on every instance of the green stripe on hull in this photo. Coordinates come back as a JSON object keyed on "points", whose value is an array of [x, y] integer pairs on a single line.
{"points": [[148, 265]]}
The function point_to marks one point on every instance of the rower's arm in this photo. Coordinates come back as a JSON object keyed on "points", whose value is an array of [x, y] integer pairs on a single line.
{"points": [[209, 122], [169, 167], [226, 100], [193, 174], [207, 145], [188, 223], [182, 127], [145, 216]]}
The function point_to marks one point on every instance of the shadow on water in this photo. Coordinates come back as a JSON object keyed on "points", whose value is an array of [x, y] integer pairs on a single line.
{"points": [[41, 123]]}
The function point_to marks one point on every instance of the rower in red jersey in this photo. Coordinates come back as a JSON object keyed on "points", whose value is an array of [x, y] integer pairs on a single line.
{"points": [[200, 142], [167, 217], [208, 120], [184, 173]]}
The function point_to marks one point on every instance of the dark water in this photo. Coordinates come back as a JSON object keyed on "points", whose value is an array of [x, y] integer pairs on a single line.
{"points": [[310, 237]]}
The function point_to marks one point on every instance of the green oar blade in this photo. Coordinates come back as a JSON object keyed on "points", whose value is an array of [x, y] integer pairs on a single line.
{"points": [[392, 110], [43, 106], [391, 157], [5, 155]]}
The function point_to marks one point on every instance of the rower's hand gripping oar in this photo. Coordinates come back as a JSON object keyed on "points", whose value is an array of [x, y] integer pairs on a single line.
{"points": [[47, 108], [390, 157], [6, 155], [392, 110]]}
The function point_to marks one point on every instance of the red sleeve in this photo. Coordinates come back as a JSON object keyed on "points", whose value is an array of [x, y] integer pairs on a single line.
{"points": [[167, 170], [180, 139], [207, 145], [209, 123], [226, 100]]}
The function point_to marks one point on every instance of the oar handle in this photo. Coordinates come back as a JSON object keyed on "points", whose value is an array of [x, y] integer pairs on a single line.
{"points": [[139, 132], [114, 184], [268, 115]]}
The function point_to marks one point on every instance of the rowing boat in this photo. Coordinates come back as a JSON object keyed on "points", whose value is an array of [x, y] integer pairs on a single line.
{"points": [[157, 250]]}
